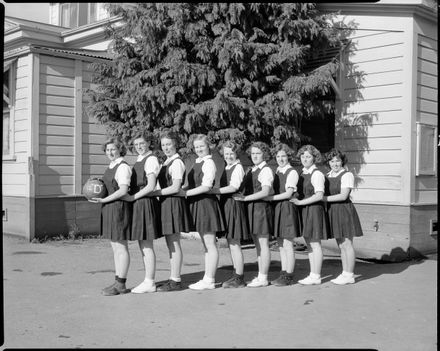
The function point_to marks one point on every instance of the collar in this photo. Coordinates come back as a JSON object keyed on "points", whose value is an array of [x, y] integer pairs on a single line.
{"points": [[260, 166], [141, 157], [284, 169], [332, 174], [310, 170], [230, 166], [202, 159], [170, 159], [116, 162]]}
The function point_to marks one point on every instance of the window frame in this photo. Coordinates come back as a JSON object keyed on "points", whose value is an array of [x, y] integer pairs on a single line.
{"points": [[422, 170], [10, 156], [69, 5]]}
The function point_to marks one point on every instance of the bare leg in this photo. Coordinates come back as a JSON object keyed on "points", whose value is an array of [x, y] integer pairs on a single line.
{"points": [[175, 253], [289, 255], [236, 255], [211, 254], [263, 268], [283, 256], [121, 257], [149, 258]]}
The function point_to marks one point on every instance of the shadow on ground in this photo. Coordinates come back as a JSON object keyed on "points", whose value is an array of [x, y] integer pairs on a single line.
{"points": [[331, 268]]}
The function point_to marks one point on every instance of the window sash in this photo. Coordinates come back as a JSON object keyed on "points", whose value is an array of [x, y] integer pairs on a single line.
{"points": [[8, 152], [69, 15]]}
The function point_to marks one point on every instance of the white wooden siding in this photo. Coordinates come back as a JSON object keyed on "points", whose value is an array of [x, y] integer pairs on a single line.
{"points": [[427, 107], [15, 179], [94, 159], [370, 127], [56, 126]]}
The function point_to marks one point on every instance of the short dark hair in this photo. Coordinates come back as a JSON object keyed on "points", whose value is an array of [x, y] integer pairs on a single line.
{"points": [[283, 147], [118, 143], [336, 153], [147, 136], [263, 147], [169, 134]]}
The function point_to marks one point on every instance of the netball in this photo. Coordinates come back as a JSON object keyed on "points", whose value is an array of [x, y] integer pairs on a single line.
{"points": [[94, 187]]}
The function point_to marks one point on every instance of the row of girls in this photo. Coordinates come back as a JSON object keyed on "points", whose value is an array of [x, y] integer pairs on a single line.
{"points": [[257, 204]]}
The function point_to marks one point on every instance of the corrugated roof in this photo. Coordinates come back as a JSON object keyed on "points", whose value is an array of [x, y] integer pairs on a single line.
{"points": [[81, 52]]}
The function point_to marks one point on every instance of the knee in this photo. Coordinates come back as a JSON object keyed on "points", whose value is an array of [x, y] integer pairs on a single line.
{"points": [[288, 244], [346, 245], [315, 246]]}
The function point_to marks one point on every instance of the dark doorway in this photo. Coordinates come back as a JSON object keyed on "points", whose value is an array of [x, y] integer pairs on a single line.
{"points": [[321, 132]]}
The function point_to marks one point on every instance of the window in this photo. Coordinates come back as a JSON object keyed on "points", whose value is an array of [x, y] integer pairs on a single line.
{"points": [[69, 15], [77, 14], [93, 13], [426, 157], [8, 102], [96, 12]]}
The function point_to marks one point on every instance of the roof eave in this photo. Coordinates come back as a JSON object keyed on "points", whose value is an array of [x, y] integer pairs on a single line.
{"points": [[26, 49], [380, 9]]}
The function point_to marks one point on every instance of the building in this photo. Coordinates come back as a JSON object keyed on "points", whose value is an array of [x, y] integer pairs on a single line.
{"points": [[50, 145], [386, 123]]}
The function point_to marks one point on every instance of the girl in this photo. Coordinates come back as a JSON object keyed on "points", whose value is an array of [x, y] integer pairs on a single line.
{"points": [[286, 218], [175, 214], [258, 185], [205, 209], [343, 218], [315, 223], [146, 211], [234, 212], [116, 213]]}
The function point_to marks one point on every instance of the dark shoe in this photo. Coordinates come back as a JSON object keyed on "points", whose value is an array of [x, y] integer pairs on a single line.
{"points": [[170, 285], [299, 247], [115, 289], [282, 280], [236, 281], [110, 286]]}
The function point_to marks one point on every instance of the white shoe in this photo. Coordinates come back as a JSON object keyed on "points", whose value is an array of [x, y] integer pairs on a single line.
{"points": [[144, 287], [310, 281], [342, 280], [257, 283], [202, 285]]}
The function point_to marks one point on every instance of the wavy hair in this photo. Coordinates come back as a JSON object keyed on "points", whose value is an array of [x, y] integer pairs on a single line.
{"points": [[336, 153], [263, 147], [118, 143], [317, 157]]}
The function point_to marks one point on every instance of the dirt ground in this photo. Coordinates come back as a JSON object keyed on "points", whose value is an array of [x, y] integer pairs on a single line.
{"points": [[52, 299]]}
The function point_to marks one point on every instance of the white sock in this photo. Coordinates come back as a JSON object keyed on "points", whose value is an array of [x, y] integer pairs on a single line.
{"points": [[208, 280], [178, 280], [315, 275], [149, 281], [347, 274], [262, 277]]}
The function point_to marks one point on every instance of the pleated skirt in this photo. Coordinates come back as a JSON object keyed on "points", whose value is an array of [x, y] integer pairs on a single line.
{"points": [[344, 220], [175, 215], [315, 224], [116, 220], [235, 216], [146, 219], [206, 214], [260, 218], [286, 220]]}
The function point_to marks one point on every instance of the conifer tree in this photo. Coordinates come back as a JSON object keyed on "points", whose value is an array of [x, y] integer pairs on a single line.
{"points": [[229, 70]]}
